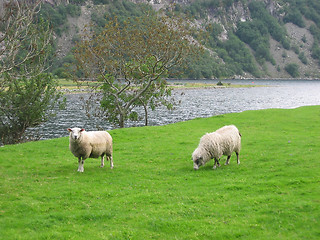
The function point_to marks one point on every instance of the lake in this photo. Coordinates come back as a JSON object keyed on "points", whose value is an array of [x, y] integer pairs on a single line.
{"points": [[195, 103]]}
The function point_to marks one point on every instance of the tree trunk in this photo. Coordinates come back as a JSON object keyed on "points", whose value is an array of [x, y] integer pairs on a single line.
{"points": [[121, 120], [145, 114]]}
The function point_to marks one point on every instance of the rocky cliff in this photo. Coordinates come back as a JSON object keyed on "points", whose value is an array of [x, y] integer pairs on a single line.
{"points": [[227, 14]]}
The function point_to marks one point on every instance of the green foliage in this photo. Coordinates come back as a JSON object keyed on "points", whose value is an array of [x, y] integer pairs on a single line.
{"points": [[258, 12], [78, 2], [205, 66], [304, 38], [154, 193], [315, 31], [219, 83], [238, 57], [303, 58], [27, 94], [200, 9], [58, 15], [292, 69], [310, 9], [60, 66], [130, 59], [257, 32], [123, 10], [256, 35], [295, 17], [96, 2], [316, 51], [296, 49], [25, 103], [100, 21], [126, 9]]}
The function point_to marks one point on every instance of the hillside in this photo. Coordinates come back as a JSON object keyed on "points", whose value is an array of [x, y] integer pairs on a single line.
{"points": [[244, 39]]}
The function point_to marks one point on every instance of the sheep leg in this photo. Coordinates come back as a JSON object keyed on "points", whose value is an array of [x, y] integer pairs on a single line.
{"points": [[216, 161], [111, 162], [228, 160], [238, 161], [81, 163], [102, 161]]}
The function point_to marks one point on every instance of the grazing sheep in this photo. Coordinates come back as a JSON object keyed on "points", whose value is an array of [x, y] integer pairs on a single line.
{"points": [[224, 141], [93, 144]]}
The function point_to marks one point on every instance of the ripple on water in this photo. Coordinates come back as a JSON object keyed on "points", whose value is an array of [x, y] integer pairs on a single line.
{"points": [[194, 103]]}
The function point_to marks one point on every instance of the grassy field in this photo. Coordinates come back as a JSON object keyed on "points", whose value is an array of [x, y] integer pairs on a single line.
{"points": [[154, 193]]}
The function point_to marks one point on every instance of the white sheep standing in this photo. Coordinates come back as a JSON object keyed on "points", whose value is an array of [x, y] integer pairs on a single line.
{"points": [[92, 144], [223, 141]]}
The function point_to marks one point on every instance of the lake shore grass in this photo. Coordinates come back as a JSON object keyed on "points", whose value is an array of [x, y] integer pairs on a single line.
{"points": [[200, 85], [153, 191], [71, 87]]}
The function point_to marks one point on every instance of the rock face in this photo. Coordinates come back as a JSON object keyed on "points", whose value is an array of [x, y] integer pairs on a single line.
{"points": [[300, 38]]}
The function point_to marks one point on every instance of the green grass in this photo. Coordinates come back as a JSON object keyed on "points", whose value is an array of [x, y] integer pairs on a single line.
{"points": [[154, 193]]}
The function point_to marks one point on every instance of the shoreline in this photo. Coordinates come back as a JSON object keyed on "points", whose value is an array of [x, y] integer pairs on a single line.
{"points": [[246, 79], [187, 84], [190, 86], [174, 86]]}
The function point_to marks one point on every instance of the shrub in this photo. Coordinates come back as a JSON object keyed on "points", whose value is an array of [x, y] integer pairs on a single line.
{"points": [[295, 17], [26, 103], [304, 38], [259, 13], [292, 69], [220, 83], [303, 58]]}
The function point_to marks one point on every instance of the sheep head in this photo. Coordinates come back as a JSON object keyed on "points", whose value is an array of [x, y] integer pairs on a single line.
{"points": [[198, 158], [75, 133]]}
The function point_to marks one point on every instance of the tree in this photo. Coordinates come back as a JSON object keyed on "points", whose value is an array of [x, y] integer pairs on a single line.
{"points": [[292, 69], [27, 93], [20, 43], [129, 62]]}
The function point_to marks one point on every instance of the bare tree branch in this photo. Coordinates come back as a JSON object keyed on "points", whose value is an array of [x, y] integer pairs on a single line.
{"points": [[19, 42]]}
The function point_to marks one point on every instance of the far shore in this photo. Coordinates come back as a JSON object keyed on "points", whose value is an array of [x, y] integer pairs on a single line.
{"points": [[69, 87], [211, 85]]}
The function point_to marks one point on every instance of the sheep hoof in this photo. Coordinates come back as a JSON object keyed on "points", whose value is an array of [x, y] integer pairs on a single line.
{"points": [[102, 166], [214, 167]]}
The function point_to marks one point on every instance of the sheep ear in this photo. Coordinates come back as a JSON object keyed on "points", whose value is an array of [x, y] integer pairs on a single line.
{"points": [[69, 129], [82, 129]]}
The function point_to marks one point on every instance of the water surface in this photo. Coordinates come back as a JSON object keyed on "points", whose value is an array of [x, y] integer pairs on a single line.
{"points": [[196, 103]]}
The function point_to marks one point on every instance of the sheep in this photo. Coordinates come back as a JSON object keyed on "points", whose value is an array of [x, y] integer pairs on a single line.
{"points": [[92, 144], [223, 141]]}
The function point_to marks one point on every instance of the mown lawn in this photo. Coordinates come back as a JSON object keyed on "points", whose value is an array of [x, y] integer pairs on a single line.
{"points": [[154, 193]]}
